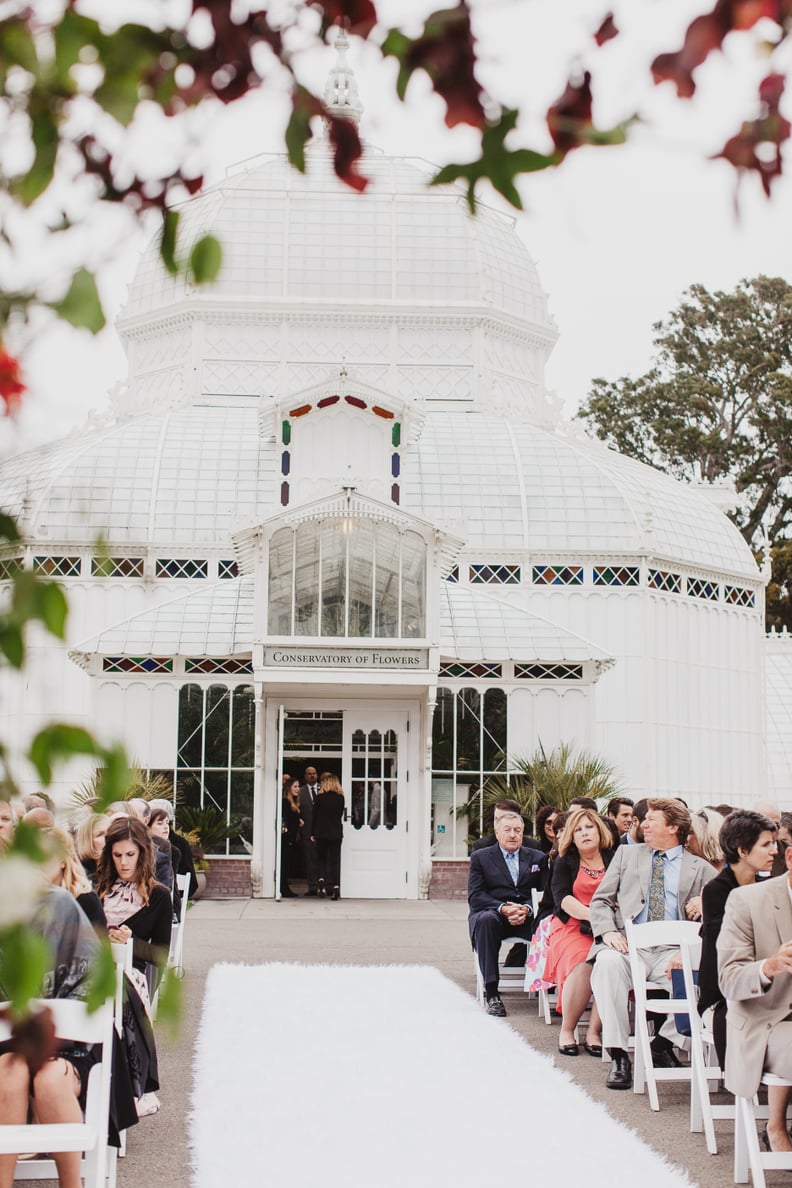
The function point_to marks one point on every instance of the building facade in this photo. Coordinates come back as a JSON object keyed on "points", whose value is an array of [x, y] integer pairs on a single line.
{"points": [[335, 518]]}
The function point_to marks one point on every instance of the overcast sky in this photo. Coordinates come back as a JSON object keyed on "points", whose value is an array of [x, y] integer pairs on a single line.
{"points": [[618, 234]]}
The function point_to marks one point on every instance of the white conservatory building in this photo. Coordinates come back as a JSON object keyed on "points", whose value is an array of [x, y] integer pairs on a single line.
{"points": [[335, 519]]}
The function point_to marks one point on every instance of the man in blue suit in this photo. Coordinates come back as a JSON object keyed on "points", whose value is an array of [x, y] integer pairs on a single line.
{"points": [[500, 881]]}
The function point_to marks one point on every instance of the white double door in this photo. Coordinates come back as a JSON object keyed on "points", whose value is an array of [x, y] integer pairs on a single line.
{"points": [[376, 782], [374, 754]]}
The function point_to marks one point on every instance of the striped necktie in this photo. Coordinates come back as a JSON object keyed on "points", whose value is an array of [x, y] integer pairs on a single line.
{"points": [[657, 888], [513, 863]]}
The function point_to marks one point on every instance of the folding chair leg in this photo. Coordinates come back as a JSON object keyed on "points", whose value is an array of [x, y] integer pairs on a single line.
{"points": [[747, 1154]]}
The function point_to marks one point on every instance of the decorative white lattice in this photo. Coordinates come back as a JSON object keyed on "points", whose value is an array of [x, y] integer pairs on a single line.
{"points": [[436, 383], [494, 575], [702, 588], [159, 390], [334, 341], [57, 566], [159, 350], [116, 567], [223, 377], [185, 567], [480, 671], [661, 579], [246, 340], [511, 358], [435, 344], [739, 596], [548, 672], [228, 667], [304, 375]]}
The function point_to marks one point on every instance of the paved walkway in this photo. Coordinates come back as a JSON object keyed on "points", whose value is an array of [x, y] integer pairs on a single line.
{"points": [[384, 932]]}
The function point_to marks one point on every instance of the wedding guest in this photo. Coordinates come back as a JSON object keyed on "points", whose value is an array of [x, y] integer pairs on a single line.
{"points": [[90, 841], [327, 831], [291, 821]]}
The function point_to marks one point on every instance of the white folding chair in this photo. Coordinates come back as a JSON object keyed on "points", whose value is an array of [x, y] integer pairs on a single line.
{"points": [[748, 1155], [511, 978], [682, 935], [176, 954], [72, 1022]]}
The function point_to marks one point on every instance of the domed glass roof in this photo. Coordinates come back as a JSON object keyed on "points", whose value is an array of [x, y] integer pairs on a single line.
{"points": [[195, 474], [289, 237]]}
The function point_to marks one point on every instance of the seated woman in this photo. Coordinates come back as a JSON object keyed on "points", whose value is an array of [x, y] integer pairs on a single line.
{"points": [[748, 842], [139, 912], [58, 1089], [67, 871], [545, 827], [585, 850], [136, 906], [90, 841]]}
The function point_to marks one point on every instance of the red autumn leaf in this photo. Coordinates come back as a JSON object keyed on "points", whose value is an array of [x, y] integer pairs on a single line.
{"points": [[757, 145], [607, 30], [11, 385], [706, 34], [446, 51], [33, 1038], [347, 152], [356, 16], [569, 119]]}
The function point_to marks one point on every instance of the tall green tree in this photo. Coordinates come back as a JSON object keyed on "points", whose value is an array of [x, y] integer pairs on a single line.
{"points": [[718, 401]]}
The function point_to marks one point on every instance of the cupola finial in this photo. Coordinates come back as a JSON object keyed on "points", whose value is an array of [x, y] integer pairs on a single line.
{"points": [[341, 93]]}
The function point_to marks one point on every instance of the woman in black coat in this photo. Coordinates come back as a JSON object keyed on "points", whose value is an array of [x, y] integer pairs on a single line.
{"points": [[327, 831], [748, 841]]}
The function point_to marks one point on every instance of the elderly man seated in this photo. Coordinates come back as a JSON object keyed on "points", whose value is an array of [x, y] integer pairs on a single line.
{"points": [[500, 882]]}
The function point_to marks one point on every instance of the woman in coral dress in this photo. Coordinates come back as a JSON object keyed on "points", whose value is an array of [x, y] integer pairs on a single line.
{"points": [[585, 849]]}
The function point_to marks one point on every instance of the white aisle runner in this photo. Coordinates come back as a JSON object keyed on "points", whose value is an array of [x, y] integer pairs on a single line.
{"points": [[326, 1076]]}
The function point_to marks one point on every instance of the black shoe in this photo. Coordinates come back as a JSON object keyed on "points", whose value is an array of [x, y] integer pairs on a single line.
{"points": [[593, 1049], [620, 1075], [569, 1050], [665, 1058], [516, 956], [336, 893], [495, 1006]]}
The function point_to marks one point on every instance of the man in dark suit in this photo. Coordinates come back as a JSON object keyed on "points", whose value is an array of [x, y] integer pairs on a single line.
{"points": [[500, 881], [308, 793]]}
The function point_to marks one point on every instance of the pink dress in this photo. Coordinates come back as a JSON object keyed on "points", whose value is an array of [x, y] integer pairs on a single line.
{"points": [[567, 945]]}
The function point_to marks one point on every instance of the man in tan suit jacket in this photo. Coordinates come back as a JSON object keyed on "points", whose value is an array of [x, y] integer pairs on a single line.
{"points": [[623, 894], [755, 975]]}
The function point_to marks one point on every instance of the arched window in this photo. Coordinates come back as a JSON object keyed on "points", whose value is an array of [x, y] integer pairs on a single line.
{"points": [[347, 578]]}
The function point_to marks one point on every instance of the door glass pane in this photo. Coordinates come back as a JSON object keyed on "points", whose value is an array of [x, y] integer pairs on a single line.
{"points": [[413, 586], [333, 577], [306, 580], [358, 792], [389, 780], [361, 577], [387, 596], [281, 551]]}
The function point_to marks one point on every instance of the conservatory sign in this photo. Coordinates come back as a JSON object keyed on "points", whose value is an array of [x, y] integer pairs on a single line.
{"points": [[395, 659]]}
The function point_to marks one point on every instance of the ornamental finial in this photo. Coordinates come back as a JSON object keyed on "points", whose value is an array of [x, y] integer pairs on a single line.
{"points": [[341, 93]]}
